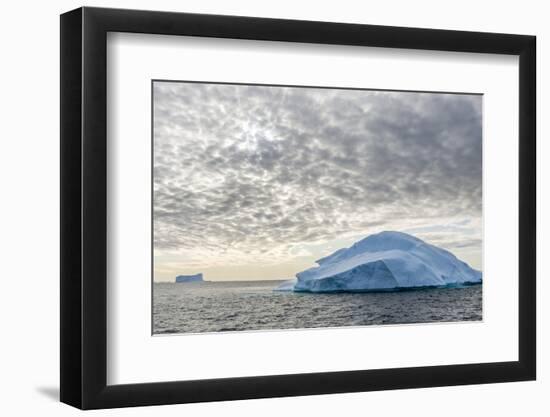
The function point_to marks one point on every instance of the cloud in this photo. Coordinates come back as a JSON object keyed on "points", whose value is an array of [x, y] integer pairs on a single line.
{"points": [[250, 173]]}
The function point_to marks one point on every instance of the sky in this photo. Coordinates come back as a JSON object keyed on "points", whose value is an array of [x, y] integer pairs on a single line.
{"points": [[258, 182]]}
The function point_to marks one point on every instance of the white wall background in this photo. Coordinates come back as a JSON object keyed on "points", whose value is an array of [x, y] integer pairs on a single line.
{"points": [[29, 237]]}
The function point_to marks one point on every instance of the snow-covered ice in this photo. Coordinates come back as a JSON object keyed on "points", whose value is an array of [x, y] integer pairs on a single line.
{"points": [[189, 278], [386, 261]]}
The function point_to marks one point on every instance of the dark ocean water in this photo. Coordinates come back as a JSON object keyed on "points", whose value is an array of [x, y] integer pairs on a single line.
{"points": [[253, 305]]}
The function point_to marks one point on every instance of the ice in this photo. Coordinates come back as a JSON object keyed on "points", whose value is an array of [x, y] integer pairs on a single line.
{"points": [[189, 278], [387, 261], [287, 285]]}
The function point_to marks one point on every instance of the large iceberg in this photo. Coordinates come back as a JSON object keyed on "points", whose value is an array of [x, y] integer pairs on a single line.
{"points": [[189, 278], [386, 261]]}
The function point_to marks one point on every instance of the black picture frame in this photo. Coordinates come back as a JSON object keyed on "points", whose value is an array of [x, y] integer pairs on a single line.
{"points": [[84, 207]]}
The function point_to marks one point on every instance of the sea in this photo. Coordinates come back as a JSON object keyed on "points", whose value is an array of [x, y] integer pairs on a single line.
{"points": [[230, 306]]}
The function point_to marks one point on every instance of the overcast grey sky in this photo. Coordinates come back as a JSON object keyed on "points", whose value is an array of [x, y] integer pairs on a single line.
{"points": [[257, 182]]}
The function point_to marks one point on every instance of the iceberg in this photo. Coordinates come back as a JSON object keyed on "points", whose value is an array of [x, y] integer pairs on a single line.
{"points": [[189, 278], [386, 261]]}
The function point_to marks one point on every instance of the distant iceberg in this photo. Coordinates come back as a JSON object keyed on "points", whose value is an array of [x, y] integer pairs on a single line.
{"points": [[189, 278], [387, 261]]}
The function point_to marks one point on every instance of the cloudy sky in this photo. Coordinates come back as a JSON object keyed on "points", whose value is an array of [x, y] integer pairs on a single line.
{"points": [[257, 182]]}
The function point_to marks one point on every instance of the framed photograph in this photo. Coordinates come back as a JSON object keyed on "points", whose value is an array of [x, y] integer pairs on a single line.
{"points": [[257, 208]]}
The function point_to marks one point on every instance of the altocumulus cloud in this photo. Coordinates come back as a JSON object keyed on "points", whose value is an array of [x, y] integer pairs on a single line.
{"points": [[260, 174]]}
